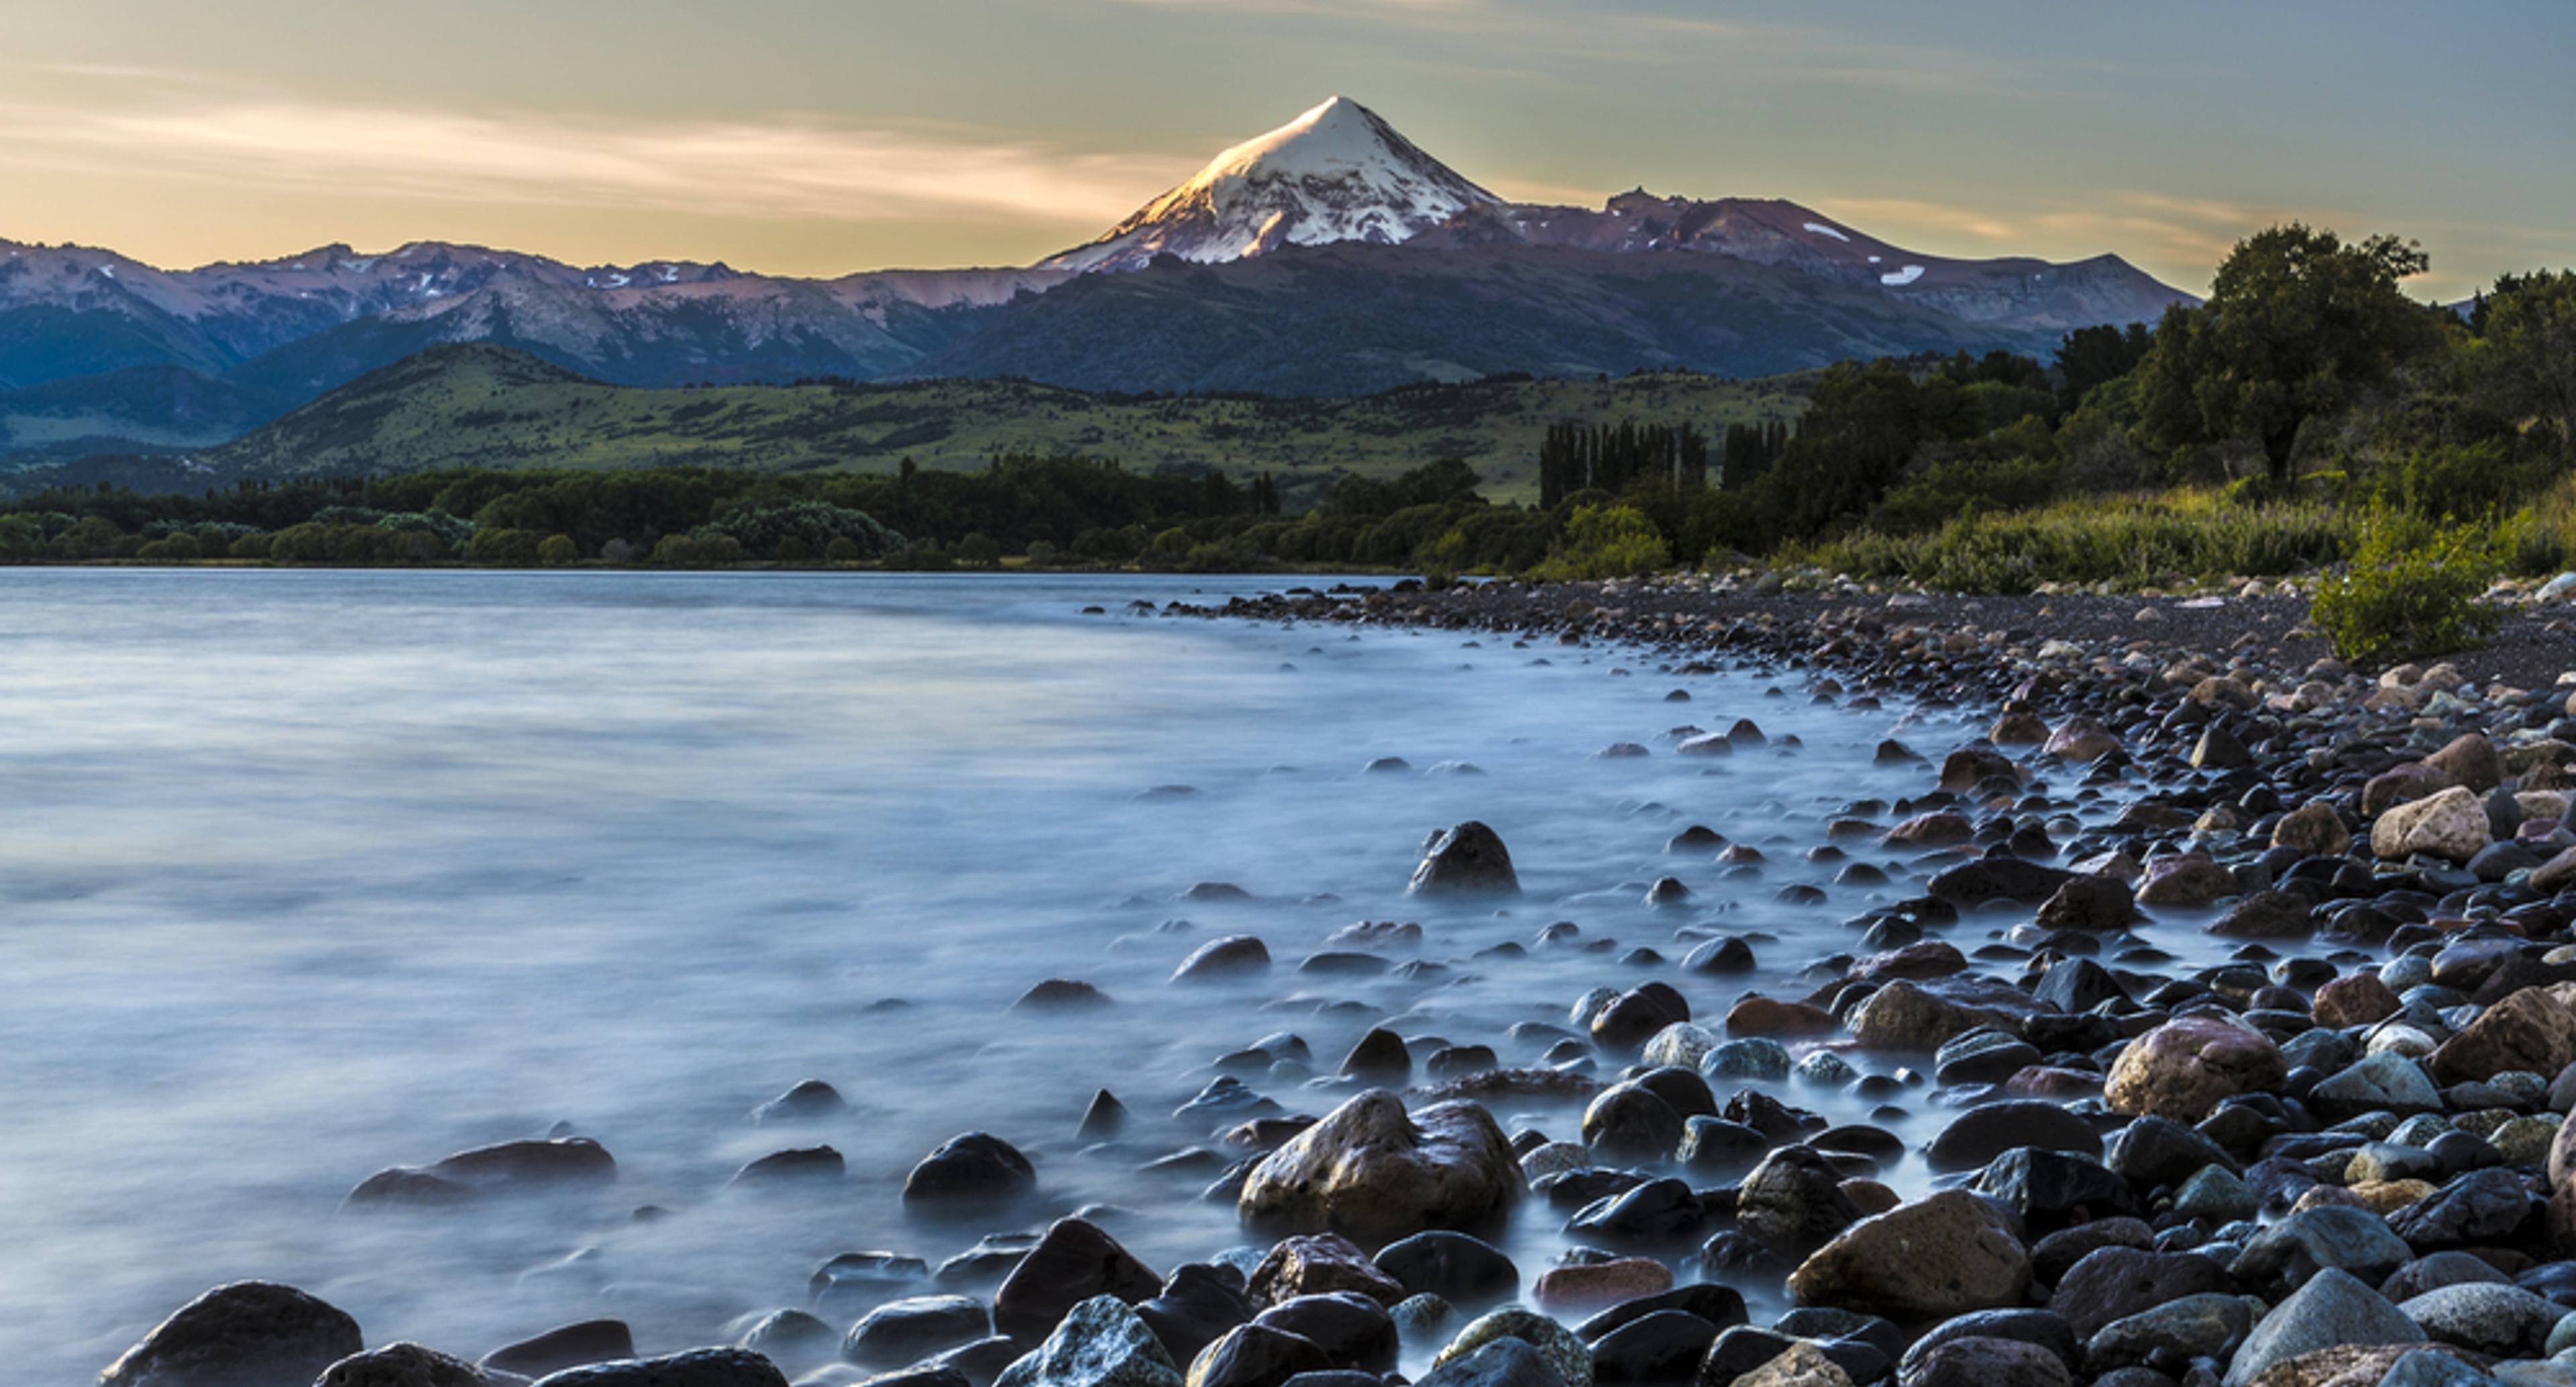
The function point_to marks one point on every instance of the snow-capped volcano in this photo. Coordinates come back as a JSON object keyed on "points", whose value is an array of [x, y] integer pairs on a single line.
{"points": [[1336, 173]]}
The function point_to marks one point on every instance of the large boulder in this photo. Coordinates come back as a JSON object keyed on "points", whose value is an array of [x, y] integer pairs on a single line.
{"points": [[2529, 1030], [506, 1168], [2314, 829], [704, 1367], [975, 1170], [1936, 1257], [1451, 1265], [1467, 858], [915, 1327], [2113, 1283], [1904, 1014], [1319, 1264], [1074, 1262], [2333, 1308], [1556, 1346], [1495, 1363], [1375, 1172], [247, 1334], [2451, 825], [2184, 1068], [1794, 1201], [403, 1365], [2326, 1238], [564, 1346], [1257, 1355], [1977, 1361], [1099, 1343], [1802, 1364], [2470, 761]]}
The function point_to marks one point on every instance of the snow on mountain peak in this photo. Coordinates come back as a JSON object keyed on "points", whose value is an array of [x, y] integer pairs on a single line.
{"points": [[1336, 173]]}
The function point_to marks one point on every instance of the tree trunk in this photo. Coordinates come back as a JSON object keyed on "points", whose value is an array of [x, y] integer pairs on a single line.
{"points": [[2276, 453]]}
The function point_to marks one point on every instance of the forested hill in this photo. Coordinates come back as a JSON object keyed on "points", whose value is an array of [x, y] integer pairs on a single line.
{"points": [[487, 406]]}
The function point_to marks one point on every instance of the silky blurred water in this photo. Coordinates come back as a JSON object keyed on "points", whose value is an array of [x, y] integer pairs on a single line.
{"points": [[306, 874]]}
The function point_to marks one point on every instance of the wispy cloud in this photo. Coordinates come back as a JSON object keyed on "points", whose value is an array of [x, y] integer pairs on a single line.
{"points": [[786, 166], [1876, 212]]}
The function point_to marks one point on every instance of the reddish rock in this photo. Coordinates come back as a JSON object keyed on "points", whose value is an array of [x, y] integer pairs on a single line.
{"points": [[2185, 882], [2184, 1068], [1769, 1016], [1600, 1285], [2529, 1030], [2356, 999]]}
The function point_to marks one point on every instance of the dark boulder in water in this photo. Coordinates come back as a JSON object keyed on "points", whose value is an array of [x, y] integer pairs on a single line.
{"points": [[1234, 956], [571, 1346], [810, 1100], [1073, 1262], [1453, 1266], [704, 1367], [1061, 994], [247, 1334], [976, 1169], [403, 1365], [1467, 858], [1354, 1331], [794, 1166], [908, 1330], [509, 1168]]}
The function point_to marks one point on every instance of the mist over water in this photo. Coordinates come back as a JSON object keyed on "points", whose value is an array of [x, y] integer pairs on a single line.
{"points": [[304, 875]]}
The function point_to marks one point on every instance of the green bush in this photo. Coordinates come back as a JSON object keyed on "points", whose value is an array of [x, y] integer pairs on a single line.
{"points": [[1605, 542], [505, 548], [2460, 481], [2127, 541], [760, 529], [178, 548], [558, 550], [2411, 590]]}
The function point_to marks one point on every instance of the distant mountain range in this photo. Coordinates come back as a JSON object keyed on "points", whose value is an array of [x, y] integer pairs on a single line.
{"points": [[1330, 256]]}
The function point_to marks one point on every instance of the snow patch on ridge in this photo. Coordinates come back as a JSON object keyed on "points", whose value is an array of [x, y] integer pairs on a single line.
{"points": [[1907, 275], [1823, 230]]}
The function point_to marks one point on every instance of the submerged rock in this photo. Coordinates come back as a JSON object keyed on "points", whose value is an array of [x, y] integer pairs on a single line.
{"points": [[1467, 858]]}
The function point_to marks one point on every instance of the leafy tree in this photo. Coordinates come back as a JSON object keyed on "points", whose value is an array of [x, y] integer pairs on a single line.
{"points": [[2525, 359], [2091, 356], [558, 550], [2298, 325], [1606, 542]]}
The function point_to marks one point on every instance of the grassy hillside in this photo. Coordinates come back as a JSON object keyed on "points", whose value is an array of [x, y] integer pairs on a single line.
{"points": [[492, 407]]}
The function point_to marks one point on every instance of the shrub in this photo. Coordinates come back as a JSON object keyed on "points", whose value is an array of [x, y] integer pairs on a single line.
{"points": [[558, 550], [252, 546], [506, 548], [843, 550], [178, 548], [2411, 589], [2131, 541], [793, 550], [1605, 542], [2459, 481], [759, 529]]}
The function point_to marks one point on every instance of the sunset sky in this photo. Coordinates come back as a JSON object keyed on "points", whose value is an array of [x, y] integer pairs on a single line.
{"points": [[826, 136]]}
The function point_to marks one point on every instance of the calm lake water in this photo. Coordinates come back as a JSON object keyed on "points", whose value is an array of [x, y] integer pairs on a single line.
{"points": [[303, 875]]}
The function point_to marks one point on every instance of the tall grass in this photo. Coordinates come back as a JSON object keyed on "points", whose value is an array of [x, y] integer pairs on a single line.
{"points": [[2130, 541]]}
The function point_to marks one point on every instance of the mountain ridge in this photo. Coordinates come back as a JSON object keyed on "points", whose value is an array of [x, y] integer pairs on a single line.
{"points": [[1416, 273]]}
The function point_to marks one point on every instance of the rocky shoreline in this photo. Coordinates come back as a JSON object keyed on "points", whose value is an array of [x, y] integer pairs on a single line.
{"points": [[2336, 1157]]}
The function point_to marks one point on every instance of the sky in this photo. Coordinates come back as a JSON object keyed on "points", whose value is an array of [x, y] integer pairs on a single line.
{"points": [[823, 137]]}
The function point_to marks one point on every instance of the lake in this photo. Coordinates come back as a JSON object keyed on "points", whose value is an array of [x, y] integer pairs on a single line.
{"points": [[307, 874]]}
